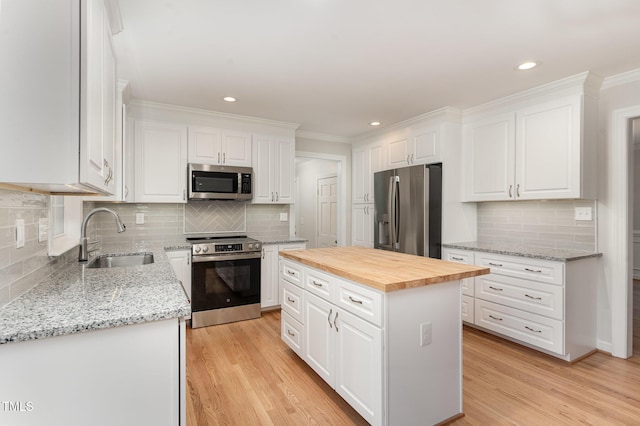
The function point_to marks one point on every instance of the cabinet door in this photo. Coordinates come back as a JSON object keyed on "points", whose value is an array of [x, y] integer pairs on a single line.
{"points": [[262, 156], [375, 163], [358, 377], [488, 147], [181, 263], [161, 162], [205, 145], [284, 170], [426, 146], [359, 172], [236, 148], [362, 225], [109, 111], [319, 351], [548, 146], [399, 154], [269, 288]]}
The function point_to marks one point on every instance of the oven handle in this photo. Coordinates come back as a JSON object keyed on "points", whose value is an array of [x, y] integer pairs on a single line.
{"points": [[219, 257]]}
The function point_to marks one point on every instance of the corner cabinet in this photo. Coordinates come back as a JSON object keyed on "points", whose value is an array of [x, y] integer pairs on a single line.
{"points": [[69, 92], [273, 159], [210, 145], [535, 151], [160, 162]]}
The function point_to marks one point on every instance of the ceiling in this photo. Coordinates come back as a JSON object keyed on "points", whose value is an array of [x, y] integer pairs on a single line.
{"points": [[333, 66]]}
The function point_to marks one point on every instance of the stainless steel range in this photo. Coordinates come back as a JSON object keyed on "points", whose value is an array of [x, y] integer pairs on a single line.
{"points": [[225, 280]]}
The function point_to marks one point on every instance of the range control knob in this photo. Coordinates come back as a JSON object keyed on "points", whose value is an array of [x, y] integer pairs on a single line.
{"points": [[196, 249], [257, 246], [250, 246], [205, 249]]}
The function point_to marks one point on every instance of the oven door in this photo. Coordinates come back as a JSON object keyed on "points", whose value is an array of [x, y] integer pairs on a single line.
{"points": [[224, 281]]}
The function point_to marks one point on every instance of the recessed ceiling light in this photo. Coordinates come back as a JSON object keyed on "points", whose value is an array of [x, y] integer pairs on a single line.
{"points": [[375, 123], [229, 99], [527, 65]]}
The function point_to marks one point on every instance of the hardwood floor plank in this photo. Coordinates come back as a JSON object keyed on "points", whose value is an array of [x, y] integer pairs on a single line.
{"points": [[243, 374]]}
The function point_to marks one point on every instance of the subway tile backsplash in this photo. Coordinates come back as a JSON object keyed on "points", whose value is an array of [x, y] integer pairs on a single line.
{"points": [[545, 224]]}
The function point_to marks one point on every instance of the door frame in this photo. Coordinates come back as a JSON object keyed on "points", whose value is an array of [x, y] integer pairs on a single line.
{"points": [[318, 178], [342, 191], [620, 230]]}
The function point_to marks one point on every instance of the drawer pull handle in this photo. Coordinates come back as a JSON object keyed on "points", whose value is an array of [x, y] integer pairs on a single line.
{"points": [[537, 271], [290, 272], [290, 299], [499, 265], [290, 333], [495, 318], [531, 329], [457, 258], [533, 297], [317, 284], [355, 300], [496, 288], [329, 318]]}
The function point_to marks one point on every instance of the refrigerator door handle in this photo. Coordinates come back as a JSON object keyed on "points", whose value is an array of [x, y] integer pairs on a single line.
{"points": [[390, 201], [396, 212]]}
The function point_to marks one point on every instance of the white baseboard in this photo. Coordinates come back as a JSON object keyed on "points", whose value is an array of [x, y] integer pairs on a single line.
{"points": [[604, 346]]}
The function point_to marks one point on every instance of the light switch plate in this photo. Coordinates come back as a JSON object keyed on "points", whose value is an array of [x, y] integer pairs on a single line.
{"points": [[583, 213], [20, 233], [43, 229], [284, 217], [139, 218]]}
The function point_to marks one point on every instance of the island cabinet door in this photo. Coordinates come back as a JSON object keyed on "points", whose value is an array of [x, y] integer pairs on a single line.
{"points": [[359, 367], [320, 332]]}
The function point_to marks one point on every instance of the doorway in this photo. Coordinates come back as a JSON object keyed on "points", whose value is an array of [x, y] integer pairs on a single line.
{"points": [[327, 212]]}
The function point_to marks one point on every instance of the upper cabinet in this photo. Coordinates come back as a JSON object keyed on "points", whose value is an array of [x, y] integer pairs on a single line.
{"points": [[70, 93], [160, 162], [273, 169], [366, 161], [210, 145], [533, 150], [419, 146]]}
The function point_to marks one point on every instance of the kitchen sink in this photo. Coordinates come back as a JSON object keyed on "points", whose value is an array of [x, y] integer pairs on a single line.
{"points": [[111, 261]]}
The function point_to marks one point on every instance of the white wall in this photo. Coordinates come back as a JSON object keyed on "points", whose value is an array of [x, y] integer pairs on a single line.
{"points": [[307, 173], [611, 99]]}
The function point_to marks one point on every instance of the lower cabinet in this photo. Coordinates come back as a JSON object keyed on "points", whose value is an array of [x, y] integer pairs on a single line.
{"points": [[362, 225], [366, 344], [269, 287], [181, 262]]}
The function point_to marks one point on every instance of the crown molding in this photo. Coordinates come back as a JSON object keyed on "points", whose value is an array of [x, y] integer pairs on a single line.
{"points": [[322, 137], [621, 79], [212, 114], [441, 114]]}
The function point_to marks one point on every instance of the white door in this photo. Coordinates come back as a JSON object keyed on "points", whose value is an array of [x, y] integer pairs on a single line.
{"points": [[237, 148], [205, 146], [362, 225], [262, 157], [320, 331], [284, 172], [327, 217]]}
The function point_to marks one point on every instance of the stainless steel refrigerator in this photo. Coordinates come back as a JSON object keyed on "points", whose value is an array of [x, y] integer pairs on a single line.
{"points": [[408, 210]]}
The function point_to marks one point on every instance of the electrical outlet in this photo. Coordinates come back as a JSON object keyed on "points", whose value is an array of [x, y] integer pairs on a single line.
{"points": [[139, 218], [583, 213], [425, 333], [43, 229], [284, 217]]}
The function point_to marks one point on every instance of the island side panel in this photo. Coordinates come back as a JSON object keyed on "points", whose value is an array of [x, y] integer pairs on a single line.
{"points": [[424, 382]]}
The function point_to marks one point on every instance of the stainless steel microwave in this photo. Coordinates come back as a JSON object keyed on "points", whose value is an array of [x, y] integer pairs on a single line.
{"points": [[209, 182]]}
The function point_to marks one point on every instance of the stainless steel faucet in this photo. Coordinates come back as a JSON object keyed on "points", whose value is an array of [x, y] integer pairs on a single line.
{"points": [[84, 241]]}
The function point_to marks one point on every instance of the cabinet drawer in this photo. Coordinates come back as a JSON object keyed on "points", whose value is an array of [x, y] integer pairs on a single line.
{"points": [[361, 301], [319, 283], [292, 299], [533, 269], [464, 257], [292, 333], [291, 272], [536, 330], [530, 296], [468, 306]]}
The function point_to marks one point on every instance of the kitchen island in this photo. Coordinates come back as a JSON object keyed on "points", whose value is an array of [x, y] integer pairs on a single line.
{"points": [[98, 346], [383, 329]]}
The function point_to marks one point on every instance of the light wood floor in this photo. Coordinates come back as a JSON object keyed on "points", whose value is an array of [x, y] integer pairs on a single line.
{"points": [[242, 374]]}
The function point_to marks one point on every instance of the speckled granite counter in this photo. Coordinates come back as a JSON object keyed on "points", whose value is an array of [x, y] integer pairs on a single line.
{"points": [[559, 255], [284, 240], [77, 298]]}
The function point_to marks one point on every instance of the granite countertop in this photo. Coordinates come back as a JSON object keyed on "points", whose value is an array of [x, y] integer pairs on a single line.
{"points": [[282, 240], [383, 270], [559, 255], [76, 298]]}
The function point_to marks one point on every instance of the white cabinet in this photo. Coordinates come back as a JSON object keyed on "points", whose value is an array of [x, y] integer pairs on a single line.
{"points": [[366, 160], [466, 284], [269, 276], [273, 160], [58, 108], [181, 262], [210, 145], [420, 146], [362, 225], [160, 162], [539, 151], [547, 305]]}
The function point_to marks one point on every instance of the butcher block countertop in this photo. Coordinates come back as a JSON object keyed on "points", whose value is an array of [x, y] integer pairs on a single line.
{"points": [[383, 270]]}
